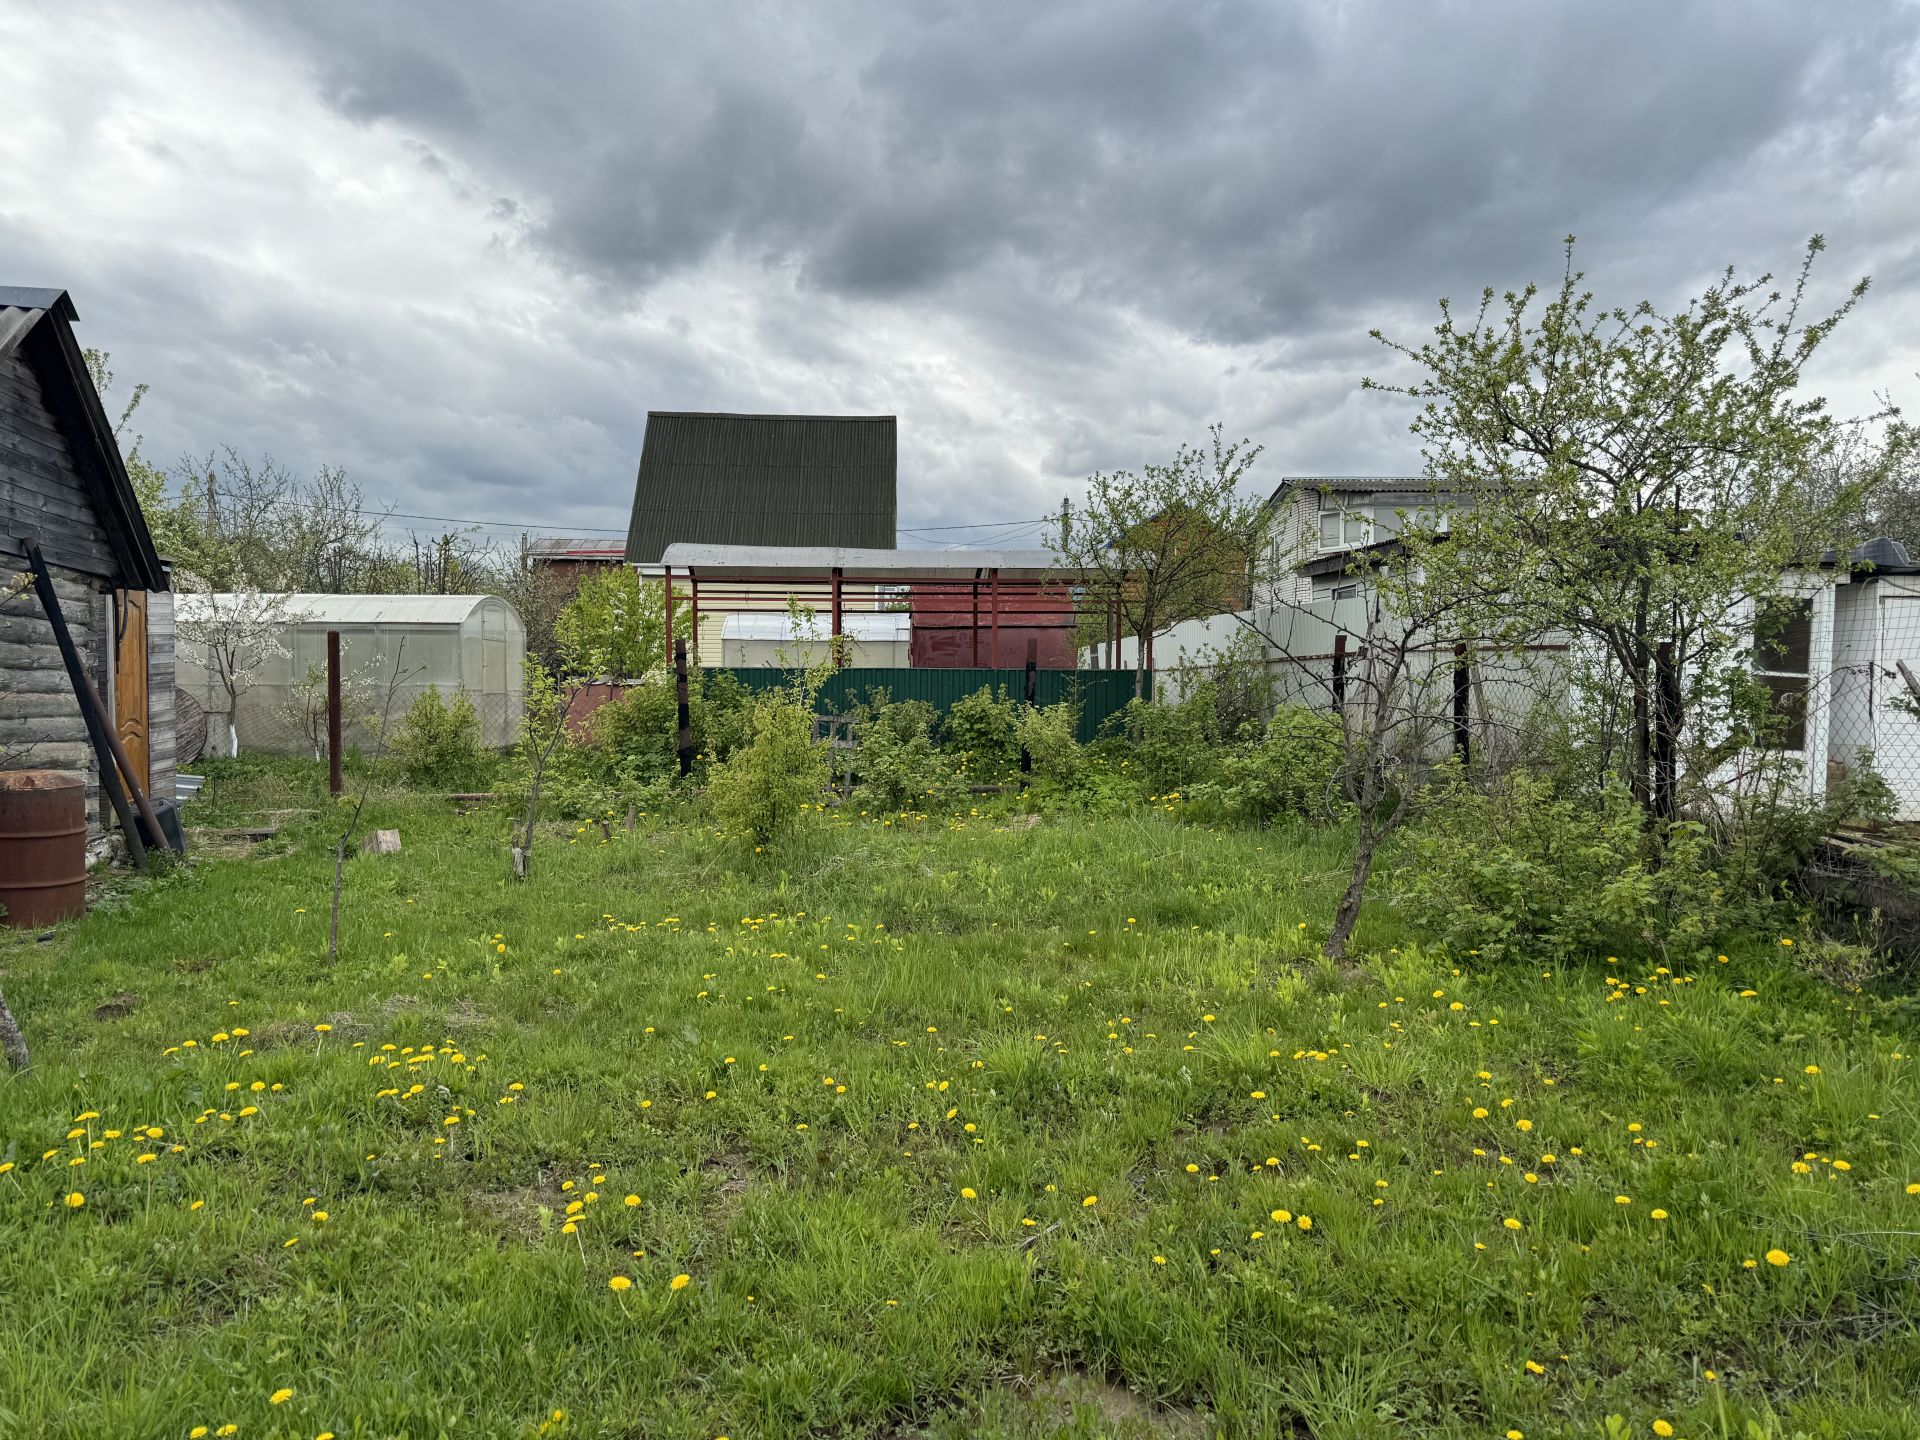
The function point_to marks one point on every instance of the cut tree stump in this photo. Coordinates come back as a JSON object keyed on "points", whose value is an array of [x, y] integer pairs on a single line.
{"points": [[382, 842]]}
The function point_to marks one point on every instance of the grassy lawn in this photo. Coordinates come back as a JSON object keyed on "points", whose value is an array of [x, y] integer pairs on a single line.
{"points": [[925, 1127]]}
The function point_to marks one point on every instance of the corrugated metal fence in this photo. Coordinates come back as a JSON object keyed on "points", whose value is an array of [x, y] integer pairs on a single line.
{"points": [[1096, 694]]}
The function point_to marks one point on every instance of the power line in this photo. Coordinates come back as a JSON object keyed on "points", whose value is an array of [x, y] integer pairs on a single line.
{"points": [[1013, 527], [489, 524]]}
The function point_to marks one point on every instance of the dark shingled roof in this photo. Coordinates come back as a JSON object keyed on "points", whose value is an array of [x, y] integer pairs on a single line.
{"points": [[764, 480]]}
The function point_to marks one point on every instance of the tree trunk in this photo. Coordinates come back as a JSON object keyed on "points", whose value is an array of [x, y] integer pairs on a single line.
{"points": [[1348, 912], [333, 925], [12, 1043]]}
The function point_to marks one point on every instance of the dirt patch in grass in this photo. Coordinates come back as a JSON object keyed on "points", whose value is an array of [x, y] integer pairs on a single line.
{"points": [[733, 1171], [510, 1214], [118, 1008], [1118, 1410]]}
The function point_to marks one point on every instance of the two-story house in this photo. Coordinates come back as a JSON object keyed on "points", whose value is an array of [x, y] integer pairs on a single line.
{"points": [[1318, 522]]}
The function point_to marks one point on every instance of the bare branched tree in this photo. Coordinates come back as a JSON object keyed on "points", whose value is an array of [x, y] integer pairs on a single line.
{"points": [[1398, 679], [394, 681], [1172, 543], [239, 632]]}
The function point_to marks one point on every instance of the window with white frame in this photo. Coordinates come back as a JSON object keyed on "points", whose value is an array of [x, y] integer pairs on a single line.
{"points": [[1343, 524]]}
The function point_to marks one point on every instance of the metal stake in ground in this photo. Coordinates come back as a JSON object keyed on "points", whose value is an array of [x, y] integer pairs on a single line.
{"points": [[333, 713], [1033, 689], [683, 713]]}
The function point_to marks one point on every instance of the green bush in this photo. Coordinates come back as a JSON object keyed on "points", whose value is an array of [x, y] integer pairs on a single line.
{"points": [[1047, 734], [904, 773], [981, 732], [765, 788], [1292, 769], [1519, 869], [1238, 682], [437, 745], [1169, 746], [636, 736], [726, 712], [902, 719], [898, 765]]}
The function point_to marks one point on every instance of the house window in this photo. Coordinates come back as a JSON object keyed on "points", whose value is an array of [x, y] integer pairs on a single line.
{"points": [[1783, 663], [1342, 527], [1347, 592]]}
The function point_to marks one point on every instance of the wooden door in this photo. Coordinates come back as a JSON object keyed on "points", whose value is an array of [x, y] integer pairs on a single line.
{"points": [[130, 680]]}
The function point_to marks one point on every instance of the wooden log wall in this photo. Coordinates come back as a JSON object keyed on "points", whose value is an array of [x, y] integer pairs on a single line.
{"points": [[41, 727]]}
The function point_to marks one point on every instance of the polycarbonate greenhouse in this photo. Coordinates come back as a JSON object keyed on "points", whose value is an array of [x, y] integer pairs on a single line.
{"points": [[449, 643]]}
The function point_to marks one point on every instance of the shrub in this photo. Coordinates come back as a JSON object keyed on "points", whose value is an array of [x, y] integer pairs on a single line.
{"points": [[901, 773], [1047, 734], [1291, 770], [1169, 746], [725, 713], [1238, 681], [764, 788], [903, 719], [616, 625], [897, 762], [980, 730], [637, 734], [1519, 868], [438, 745]]}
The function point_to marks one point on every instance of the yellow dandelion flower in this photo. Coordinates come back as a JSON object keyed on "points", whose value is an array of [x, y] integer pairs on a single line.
{"points": [[75, 1200], [1778, 1257], [1663, 1428], [680, 1282], [966, 1193], [1511, 1223], [619, 1282], [280, 1396]]}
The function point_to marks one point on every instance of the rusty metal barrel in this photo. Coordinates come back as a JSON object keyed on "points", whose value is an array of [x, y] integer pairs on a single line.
{"points": [[43, 846]]}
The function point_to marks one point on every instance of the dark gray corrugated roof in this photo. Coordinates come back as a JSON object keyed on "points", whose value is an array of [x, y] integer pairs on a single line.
{"points": [[28, 297], [764, 480], [1352, 484]]}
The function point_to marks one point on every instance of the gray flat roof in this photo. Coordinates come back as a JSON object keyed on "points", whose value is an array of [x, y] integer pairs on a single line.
{"points": [[818, 562]]}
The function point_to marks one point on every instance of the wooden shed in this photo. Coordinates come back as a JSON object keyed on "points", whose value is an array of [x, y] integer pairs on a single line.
{"points": [[64, 487]]}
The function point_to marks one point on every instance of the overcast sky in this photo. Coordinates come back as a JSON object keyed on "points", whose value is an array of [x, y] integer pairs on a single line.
{"points": [[462, 248]]}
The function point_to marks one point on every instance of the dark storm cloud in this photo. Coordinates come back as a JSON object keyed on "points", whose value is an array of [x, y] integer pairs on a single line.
{"points": [[1233, 169], [469, 244]]}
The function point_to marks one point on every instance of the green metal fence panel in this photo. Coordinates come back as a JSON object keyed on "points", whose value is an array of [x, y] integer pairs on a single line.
{"points": [[1096, 694]]}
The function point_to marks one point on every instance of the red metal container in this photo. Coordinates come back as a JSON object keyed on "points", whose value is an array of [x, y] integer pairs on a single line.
{"points": [[43, 846]]}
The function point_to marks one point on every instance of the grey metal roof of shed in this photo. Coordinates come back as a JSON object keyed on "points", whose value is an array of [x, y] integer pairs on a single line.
{"points": [[764, 480], [800, 562]]}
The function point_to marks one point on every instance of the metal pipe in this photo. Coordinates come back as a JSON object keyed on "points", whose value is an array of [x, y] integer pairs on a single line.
{"points": [[334, 785]]}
